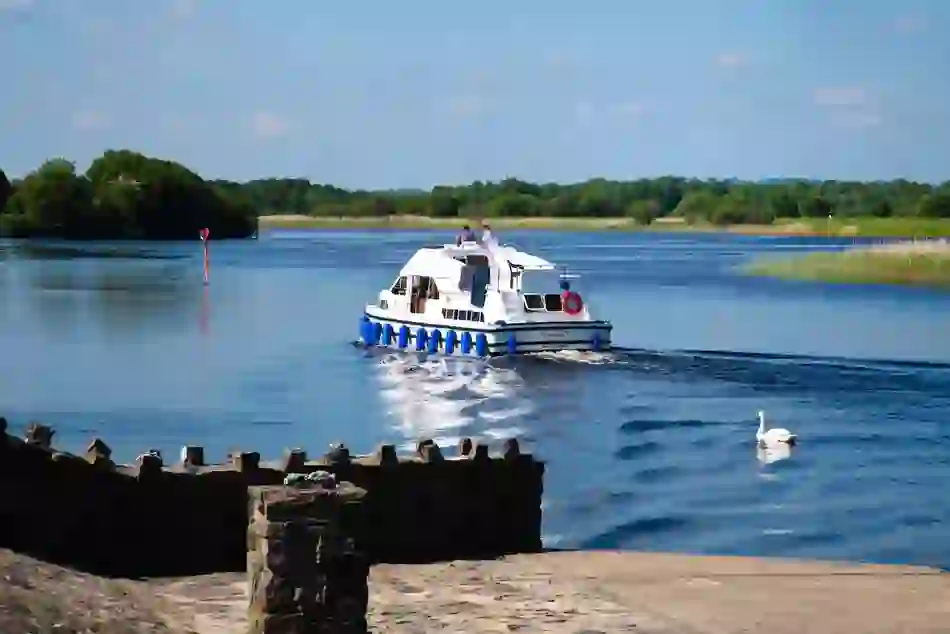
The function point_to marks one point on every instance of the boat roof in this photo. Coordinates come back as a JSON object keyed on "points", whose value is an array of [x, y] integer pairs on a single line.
{"points": [[440, 261]]}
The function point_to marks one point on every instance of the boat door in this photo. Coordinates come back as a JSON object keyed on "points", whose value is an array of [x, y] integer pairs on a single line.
{"points": [[423, 289], [480, 278]]}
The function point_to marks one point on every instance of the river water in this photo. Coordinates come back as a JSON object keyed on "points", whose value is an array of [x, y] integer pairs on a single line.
{"points": [[647, 448]]}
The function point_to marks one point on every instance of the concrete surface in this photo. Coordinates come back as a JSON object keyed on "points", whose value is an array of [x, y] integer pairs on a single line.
{"points": [[591, 592]]}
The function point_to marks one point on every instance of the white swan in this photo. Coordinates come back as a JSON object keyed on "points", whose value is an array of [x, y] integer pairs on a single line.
{"points": [[770, 454], [773, 436]]}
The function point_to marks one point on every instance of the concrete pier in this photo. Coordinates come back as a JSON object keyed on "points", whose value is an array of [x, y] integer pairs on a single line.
{"points": [[594, 592]]}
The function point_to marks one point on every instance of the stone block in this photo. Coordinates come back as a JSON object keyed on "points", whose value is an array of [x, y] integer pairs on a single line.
{"points": [[291, 623], [337, 455], [480, 453], [511, 449], [3, 426], [245, 461], [98, 453], [148, 465], [385, 455], [39, 435], [271, 593], [303, 572], [294, 460], [192, 456], [431, 453], [425, 442], [279, 503], [465, 447]]}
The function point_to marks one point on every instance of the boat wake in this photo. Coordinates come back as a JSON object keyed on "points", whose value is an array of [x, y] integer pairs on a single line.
{"points": [[578, 356], [666, 361], [447, 399]]}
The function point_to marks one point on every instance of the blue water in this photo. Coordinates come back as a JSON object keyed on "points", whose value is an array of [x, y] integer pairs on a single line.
{"points": [[648, 448]]}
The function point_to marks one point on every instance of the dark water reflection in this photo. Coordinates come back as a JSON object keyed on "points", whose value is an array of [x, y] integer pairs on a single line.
{"points": [[649, 448]]}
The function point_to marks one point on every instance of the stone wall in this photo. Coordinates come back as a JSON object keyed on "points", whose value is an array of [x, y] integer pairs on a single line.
{"points": [[157, 519], [305, 570]]}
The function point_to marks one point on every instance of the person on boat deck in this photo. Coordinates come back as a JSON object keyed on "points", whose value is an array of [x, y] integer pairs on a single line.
{"points": [[487, 237], [467, 235]]}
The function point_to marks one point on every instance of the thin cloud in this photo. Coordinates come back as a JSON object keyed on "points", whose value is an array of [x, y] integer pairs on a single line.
{"points": [[839, 96], [583, 111], [176, 124], [856, 120], [557, 59], [730, 60], [184, 9], [16, 5], [97, 26], [627, 108], [88, 120], [910, 24], [849, 106], [268, 125], [469, 106]]}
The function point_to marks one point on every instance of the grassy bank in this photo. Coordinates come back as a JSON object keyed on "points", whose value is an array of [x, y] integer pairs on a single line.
{"points": [[428, 222], [907, 263], [837, 227]]}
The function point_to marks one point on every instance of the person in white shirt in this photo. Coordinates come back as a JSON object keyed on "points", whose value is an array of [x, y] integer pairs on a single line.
{"points": [[487, 237]]}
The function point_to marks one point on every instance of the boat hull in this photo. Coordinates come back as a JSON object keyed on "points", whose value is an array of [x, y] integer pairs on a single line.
{"points": [[550, 336]]}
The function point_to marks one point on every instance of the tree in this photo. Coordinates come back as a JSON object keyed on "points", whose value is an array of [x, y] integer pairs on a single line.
{"points": [[935, 205], [815, 207], [720, 201], [6, 190], [124, 194], [644, 211], [696, 205], [54, 199]]}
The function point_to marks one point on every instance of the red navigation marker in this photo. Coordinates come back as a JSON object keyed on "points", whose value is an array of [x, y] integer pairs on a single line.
{"points": [[203, 234]]}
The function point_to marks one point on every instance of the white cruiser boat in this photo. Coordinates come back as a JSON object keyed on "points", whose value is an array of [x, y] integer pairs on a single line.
{"points": [[481, 299]]}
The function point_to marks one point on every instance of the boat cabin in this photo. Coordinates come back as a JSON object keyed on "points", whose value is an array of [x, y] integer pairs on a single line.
{"points": [[472, 282]]}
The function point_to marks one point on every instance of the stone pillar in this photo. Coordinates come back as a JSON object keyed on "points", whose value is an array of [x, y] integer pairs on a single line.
{"points": [[304, 573]]}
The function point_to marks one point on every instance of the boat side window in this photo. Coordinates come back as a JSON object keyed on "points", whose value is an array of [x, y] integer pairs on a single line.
{"points": [[463, 315], [533, 301], [399, 287], [552, 302]]}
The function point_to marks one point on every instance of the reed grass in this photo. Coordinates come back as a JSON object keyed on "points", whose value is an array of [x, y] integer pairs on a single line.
{"points": [[925, 263]]}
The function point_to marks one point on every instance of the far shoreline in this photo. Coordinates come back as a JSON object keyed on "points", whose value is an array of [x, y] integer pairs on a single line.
{"points": [[792, 227]]}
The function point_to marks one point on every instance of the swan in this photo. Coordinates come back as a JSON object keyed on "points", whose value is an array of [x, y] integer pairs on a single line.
{"points": [[770, 454], [773, 436]]}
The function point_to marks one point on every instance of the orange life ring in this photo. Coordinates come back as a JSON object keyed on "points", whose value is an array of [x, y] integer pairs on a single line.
{"points": [[572, 302]]}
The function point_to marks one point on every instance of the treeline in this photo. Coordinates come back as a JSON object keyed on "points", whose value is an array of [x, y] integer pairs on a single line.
{"points": [[716, 201], [123, 195]]}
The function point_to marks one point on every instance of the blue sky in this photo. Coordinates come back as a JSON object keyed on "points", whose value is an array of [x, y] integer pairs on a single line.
{"points": [[380, 94]]}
